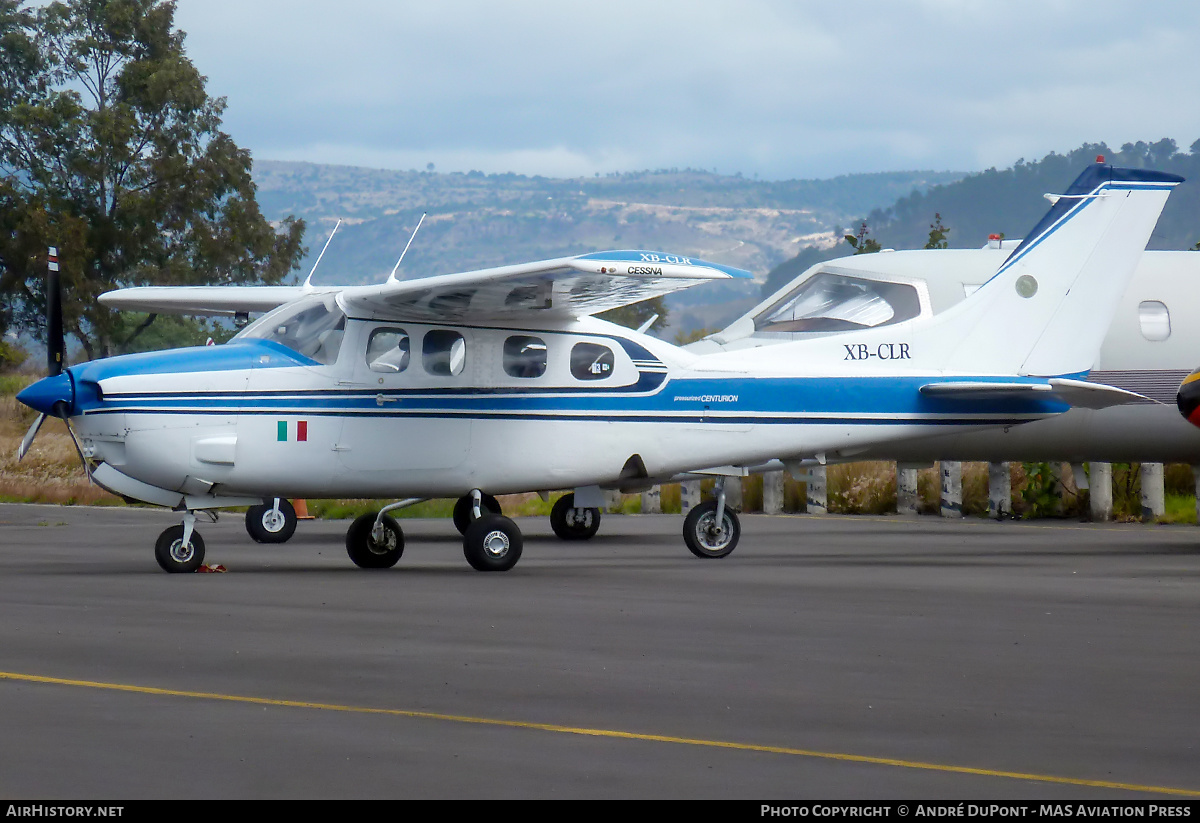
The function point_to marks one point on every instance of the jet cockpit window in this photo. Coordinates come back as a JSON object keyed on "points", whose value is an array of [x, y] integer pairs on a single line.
{"points": [[836, 302], [444, 353], [388, 351], [524, 356], [310, 328], [591, 361]]}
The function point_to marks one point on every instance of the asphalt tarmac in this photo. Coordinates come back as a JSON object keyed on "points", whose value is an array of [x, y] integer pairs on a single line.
{"points": [[827, 657]]}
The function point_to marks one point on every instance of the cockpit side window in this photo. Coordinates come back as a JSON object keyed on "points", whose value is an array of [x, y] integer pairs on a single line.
{"points": [[312, 329], [388, 351], [524, 356], [444, 352], [836, 302], [591, 361]]}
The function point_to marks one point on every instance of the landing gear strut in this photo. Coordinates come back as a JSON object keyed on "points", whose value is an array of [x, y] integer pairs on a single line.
{"points": [[711, 530], [180, 548], [272, 522], [465, 513], [376, 541], [491, 542]]}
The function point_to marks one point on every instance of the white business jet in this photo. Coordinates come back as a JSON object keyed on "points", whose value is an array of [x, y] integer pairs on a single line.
{"points": [[500, 381]]}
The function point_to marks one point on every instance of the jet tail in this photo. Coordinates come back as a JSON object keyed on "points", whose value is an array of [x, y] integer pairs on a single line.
{"points": [[1048, 307]]}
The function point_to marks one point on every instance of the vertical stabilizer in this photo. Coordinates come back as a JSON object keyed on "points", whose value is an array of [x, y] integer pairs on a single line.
{"points": [[1049, 305]]}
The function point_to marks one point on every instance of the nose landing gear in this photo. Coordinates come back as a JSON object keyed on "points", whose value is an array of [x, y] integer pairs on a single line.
{"points": [[180, 548]]}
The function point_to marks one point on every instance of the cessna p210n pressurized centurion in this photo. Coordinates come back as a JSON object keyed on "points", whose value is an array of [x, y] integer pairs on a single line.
{"points": [[499, 381]]}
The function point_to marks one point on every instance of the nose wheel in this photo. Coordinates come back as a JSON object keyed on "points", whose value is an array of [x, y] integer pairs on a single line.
{"points": [[180, 548]]}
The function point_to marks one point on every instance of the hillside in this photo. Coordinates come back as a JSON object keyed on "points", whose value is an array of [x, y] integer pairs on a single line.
{"points": [[477, 220], [1009, 202]]}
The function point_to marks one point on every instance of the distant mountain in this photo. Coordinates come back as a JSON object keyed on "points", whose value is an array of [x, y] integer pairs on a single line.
{"points": [[1010, 202], [477, 220]]}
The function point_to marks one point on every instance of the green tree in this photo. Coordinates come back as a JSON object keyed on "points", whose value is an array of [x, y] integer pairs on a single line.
{"points": [[863, 243], [937, 234], [107, 131]]}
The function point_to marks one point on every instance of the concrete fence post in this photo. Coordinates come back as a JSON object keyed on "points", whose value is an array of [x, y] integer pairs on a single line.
{"points": [[1153, 496], [689, 495], [773, 493], [1100, 491], [816, 496], [951, 488], [652, 500], [999, 491], [908, 500]]}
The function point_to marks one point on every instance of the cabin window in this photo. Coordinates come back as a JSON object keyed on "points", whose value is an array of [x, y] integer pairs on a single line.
{"points": [[524, 356], [835, 302], [591, 361], [444, 353], [312, 329], [1155, 320], [388, 350]]}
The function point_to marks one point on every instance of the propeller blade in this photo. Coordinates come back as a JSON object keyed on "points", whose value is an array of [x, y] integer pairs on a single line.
{"points": [[27, 440], [55, 341]]}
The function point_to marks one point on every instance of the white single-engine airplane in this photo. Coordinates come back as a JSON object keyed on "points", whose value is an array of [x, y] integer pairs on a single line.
{"points": [[499, 381]]}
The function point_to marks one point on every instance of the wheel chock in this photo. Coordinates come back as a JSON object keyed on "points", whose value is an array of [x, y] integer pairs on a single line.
{"points": [[217, 569]]}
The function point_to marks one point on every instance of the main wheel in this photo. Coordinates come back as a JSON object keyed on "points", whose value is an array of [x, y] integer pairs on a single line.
{"points": [[175, 557], [265, 526], [463, 506], [570, 523], [493, 543], [369, 551], [705, 537]]}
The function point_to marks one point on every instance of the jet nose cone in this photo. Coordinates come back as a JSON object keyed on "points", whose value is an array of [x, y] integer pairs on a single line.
{"points": [[50, 395]]}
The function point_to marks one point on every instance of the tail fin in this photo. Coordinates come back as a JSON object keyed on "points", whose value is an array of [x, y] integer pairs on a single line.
{"points": [[1048, 307]]}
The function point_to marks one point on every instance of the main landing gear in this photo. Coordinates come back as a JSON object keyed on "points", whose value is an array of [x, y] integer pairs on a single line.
{"points": [[711, 530], [491, 541], [272, 522], [571, 523]]}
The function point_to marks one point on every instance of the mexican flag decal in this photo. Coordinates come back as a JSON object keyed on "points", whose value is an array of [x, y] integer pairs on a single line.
{"points": [[281, 429]]}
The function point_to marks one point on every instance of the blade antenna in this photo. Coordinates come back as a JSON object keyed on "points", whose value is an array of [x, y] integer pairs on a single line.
{"points": [[395, 268], [308, 280]]}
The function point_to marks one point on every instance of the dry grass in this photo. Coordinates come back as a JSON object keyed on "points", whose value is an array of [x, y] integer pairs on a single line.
{"points": [[51, 472]]}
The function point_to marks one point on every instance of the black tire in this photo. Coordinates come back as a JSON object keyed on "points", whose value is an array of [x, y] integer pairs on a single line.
{"points": [[493, 543], [171, 554], [570, 523], [463, 506], [365, 552], [701, 538], [264, 527]]}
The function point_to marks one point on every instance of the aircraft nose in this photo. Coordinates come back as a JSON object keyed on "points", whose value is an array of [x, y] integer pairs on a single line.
{"points": [[51, 395]]}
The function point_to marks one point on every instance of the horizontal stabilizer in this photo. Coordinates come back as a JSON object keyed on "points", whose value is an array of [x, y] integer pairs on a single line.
{"points": [[1077, 393]]}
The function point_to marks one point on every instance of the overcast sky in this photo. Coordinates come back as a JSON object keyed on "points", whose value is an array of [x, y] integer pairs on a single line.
{"points": [[769, 87]]}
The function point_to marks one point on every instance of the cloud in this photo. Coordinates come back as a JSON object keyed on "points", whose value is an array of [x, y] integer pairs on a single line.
{"points": [[767, 86]]}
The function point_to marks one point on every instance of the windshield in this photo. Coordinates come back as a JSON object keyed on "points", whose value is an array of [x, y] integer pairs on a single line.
{"points": [[834, 302], [312, 328]]}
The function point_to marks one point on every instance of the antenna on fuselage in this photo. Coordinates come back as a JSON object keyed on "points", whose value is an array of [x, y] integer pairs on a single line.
{"points": [[395, 268], [308, 280]]}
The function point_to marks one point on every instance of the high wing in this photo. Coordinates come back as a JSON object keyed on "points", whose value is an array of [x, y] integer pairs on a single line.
{"points": [[1072, 392], [566, 286], [215, 301]]}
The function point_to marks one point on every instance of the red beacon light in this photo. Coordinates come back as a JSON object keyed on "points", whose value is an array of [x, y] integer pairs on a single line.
{"points": [[1099, 158]]}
